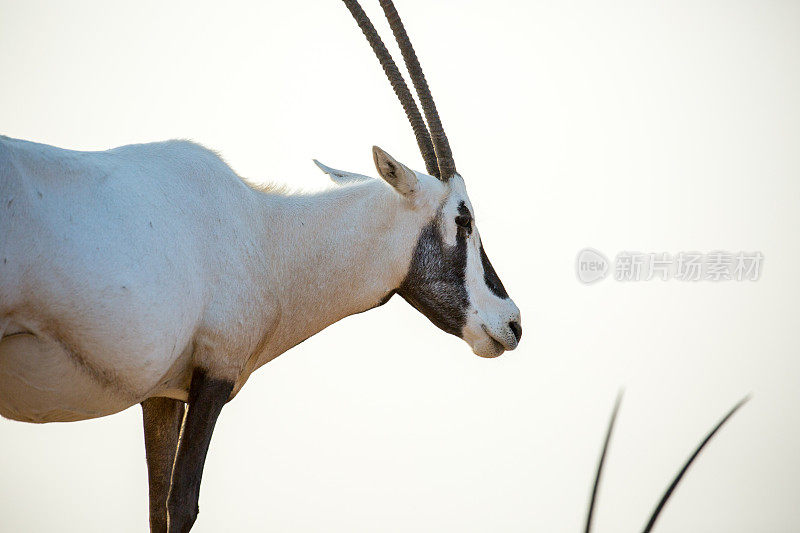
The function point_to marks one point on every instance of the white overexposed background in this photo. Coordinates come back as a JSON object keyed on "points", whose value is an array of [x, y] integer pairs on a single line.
{"points": [[652, 127]]}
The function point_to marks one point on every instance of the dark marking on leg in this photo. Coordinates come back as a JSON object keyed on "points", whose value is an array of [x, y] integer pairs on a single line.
{"points": [[207, 396], [162, 425]]}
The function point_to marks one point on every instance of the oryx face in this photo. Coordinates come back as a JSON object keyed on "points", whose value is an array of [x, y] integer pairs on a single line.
{"points": [[450, 279], [452, 282]]}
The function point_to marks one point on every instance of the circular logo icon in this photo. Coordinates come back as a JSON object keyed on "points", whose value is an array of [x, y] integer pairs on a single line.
{"points": [[591, 266]]}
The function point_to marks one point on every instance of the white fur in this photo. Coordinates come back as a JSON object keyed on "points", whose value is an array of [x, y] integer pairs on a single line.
{"points": [[122, 270], [488, 313], [342, 177]]}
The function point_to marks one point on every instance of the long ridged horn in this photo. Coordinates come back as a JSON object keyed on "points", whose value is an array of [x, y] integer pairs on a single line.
{"points": [[399, 85], [444, 155], [668, 493], [601, 462], [679, 476]]}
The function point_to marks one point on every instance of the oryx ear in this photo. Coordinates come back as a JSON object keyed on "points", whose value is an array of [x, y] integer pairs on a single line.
{"points": [[394, 172], [340, 176]]}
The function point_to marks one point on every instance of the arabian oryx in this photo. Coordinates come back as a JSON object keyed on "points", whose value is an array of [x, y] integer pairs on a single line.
{"points": [[153, 274]]}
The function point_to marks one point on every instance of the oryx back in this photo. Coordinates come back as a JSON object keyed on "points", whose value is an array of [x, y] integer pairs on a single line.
{"points": [[104, 270]]}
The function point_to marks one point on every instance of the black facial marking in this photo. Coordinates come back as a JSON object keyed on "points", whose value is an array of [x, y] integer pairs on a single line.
{"points": [[435, 283], [464, 218], [491, 278]]}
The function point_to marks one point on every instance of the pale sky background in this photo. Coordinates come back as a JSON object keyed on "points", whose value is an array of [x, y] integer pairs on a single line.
{"points": [[655, 127]]}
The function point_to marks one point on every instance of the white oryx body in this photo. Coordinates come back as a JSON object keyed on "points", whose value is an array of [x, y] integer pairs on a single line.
{"points": [[121, 271], [153, 274]]}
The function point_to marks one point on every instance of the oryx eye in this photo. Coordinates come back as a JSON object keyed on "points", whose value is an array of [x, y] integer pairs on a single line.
{"points": [[465, 221]]}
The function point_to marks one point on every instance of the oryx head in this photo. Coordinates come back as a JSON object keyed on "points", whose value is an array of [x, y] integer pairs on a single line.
{"points": [[450, 279]]}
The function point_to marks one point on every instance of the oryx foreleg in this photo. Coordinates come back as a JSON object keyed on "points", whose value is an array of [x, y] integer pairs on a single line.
{"points": [[207, 396], [162, 425]]}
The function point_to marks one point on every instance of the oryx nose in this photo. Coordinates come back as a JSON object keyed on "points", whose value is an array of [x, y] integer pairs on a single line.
{"points": [[516, 329]]}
